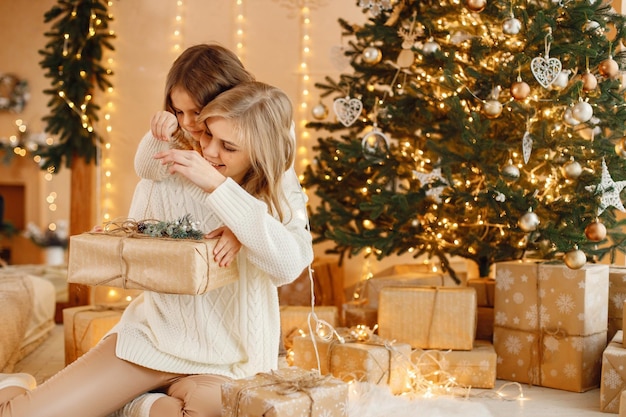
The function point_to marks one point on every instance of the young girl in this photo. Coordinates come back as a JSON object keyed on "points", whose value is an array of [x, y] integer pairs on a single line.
{"points": [[177, 350]]}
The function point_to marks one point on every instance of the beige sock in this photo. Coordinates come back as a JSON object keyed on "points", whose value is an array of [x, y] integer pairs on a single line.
{"points": [[139, 407]]}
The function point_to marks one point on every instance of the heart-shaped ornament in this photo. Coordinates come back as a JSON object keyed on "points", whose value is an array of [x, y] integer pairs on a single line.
{"points": [[545, 70], [347, 110]]}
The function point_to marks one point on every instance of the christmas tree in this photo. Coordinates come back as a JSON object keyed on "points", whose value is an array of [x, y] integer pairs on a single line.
{"points": [[484, 129]]}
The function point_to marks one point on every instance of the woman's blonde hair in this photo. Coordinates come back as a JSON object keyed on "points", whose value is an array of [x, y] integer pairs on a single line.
{"points": [[261, 117], [203, 71]]}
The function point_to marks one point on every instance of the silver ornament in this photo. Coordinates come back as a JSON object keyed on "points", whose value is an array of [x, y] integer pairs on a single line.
{"points": [[372, 55], [375, 146], [572, 169], [561, 80], [510, 172], [430, 47], [512, 26], [492, 108], [528, 222], [319, 112]]}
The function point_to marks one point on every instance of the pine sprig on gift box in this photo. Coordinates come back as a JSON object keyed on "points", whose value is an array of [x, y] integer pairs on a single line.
{"points": [[183, 228]]}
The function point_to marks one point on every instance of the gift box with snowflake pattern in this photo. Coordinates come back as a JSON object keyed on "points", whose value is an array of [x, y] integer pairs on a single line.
{"points": [[550, 323], [613, 380], [617, 296], [469, 368], [287, 392], [373, 361]]}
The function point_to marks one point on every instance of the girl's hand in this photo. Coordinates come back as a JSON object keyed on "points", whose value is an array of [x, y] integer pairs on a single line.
{"points": [[193, 166], [227, 246], [163, 125]]}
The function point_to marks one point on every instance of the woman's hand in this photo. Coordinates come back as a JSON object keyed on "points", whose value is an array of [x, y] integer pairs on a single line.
{"points": [[193, 166], [163, 125], [227, 246]]}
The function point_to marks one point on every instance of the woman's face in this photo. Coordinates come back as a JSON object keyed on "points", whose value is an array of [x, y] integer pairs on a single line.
{"points": [[224, 151], [186, 112]]}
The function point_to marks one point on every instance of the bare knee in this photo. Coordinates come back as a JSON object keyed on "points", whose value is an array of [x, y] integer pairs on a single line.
{"points": [[195, 396]]}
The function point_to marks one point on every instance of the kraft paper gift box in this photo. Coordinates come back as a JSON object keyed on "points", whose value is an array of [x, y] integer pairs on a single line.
{"points": [[428, 318], [104, 296], [617, 296], [371, 361], [294, 320], [175, 266], [356, 313], [550, 323], [328, 286], [613, 380], [485, 290], [374, 285], [288, 392], [474, 368], [622, 404], [85, 326]]}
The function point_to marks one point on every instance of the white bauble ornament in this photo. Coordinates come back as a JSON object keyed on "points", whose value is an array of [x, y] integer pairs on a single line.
{"points": [[561, 80], [575, 259], [512, 26], [492, 108], [430, 47], [582, 111], [319, 112], [569, 119], [588, 133], [572, 169], [528, 222], [372, 55], [591, 26]]}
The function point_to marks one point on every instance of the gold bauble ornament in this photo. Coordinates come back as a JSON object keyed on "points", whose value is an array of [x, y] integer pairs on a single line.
{"points": [[476, 5], [492, 108], [528, 222], [372, 55], [575, 259], [520, 90], [620, 148], [590, 82], [319, 112], [595, 231], [608, 68]]}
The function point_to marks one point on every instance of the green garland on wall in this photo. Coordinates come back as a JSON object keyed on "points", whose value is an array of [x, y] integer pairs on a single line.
{"points": [[72, 60]]}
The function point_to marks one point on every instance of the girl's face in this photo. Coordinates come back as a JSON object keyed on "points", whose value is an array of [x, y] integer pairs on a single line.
{"points": [[186, 112], [223, 150]]}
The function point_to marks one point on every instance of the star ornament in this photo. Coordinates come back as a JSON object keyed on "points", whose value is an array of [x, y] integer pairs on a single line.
{"points": [[431, 177], [609, 190]]}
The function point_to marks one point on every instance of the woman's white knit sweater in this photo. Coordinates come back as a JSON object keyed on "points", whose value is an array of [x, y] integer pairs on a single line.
{"points": [[233, 330]]}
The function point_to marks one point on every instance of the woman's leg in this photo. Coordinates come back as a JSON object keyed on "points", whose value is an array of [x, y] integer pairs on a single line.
{"points": [[191, 396], [95, 385]]}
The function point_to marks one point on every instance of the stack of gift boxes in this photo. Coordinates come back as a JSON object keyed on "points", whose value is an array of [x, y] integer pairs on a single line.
{"points": [[613, 378], [411, 326]]}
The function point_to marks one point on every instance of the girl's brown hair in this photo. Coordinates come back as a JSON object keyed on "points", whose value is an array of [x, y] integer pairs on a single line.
{"points": [[203, 71]]}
